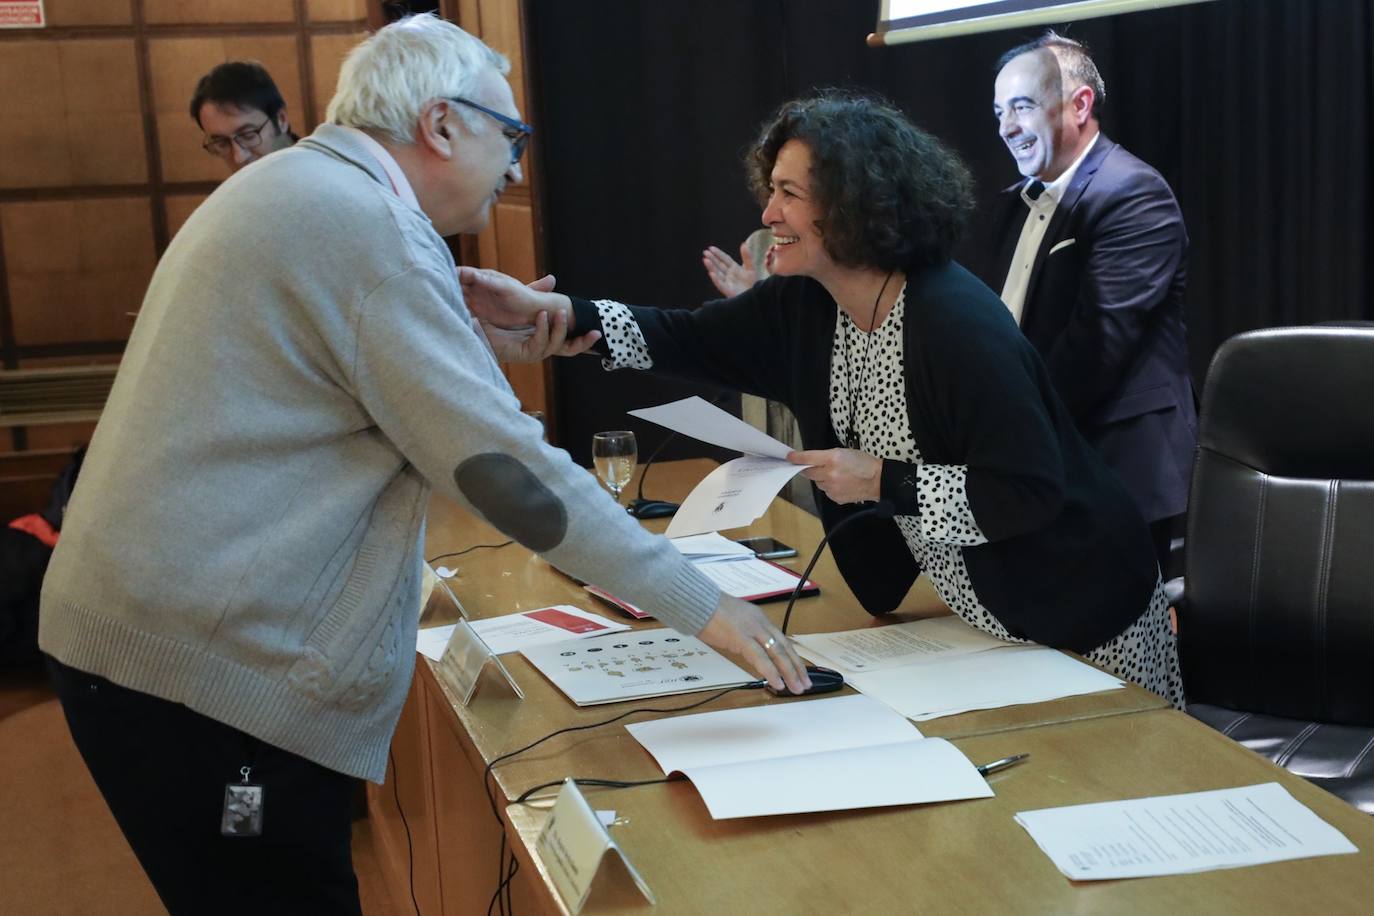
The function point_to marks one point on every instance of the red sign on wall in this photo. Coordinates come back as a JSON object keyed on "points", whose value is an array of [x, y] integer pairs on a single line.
{"points": [[21, 14]]}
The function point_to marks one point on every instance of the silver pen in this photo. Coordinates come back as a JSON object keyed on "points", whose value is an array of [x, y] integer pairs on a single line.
{"points": [[1002, 764]]}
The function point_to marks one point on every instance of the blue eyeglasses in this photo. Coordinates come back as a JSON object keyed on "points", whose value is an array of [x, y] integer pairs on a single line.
{"points": [[517, 132]]}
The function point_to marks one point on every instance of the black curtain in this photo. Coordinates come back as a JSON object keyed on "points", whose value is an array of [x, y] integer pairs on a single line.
{"points": [[1258, 112]]}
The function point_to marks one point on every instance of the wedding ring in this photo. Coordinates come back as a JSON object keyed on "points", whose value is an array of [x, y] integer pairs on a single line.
{"points": [[770, 644]]}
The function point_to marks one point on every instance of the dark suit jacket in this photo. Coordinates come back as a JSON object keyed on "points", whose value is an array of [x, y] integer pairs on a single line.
{"points": [[1105, 310]]}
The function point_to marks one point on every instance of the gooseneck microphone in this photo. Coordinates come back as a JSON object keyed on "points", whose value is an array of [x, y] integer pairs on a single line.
{"points": [[883, 508], [640, 507]]}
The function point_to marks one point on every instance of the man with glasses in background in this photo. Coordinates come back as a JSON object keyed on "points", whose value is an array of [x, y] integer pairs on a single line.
{"points": [[231, 611], [242, 113]]}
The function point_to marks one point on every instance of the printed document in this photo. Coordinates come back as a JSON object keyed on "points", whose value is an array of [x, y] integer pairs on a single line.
{"points": [[1178, 834], [513, 632], [892, 646], [796, 756], [982, 680], [737, 492]]}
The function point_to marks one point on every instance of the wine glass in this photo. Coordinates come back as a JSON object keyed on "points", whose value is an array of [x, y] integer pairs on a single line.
{"points": [[614, 455]]}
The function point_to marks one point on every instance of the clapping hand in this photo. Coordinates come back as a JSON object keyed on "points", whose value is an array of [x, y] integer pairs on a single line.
{"points": [[728, 275]]}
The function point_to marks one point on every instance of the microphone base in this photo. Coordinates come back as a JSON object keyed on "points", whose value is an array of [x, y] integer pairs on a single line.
{"points": [[651, 508]]}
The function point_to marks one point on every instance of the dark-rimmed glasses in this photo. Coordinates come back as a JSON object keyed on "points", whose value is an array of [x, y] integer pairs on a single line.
{"points": [[517, 132], [248, 138]]}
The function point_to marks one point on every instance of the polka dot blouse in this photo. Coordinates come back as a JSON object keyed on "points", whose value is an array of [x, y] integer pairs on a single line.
{"points": [[872, 368]]}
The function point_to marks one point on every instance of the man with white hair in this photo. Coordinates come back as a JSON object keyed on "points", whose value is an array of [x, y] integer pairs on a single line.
{"points": [[231, 610]]}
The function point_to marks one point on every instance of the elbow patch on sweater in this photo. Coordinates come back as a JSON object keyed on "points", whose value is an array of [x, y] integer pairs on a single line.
{"points": [[513, 499]]}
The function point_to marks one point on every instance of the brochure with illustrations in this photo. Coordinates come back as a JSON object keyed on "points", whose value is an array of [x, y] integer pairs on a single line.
{"points": [[633, 665]]}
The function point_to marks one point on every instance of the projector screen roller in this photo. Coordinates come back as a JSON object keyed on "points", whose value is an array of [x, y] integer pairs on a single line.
{"points": [[919, 20]]}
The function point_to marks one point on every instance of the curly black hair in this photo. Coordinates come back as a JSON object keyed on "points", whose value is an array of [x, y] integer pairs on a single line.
{"points": [[892, 195]]}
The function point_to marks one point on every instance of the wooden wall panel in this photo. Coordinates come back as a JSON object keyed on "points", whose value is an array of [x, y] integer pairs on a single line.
{"points": [[326, 56], [176, 64], [217, 11], [89, 12], [33, 144], [513, 226], [104, 121], [336, 10], [510, 241], [76, 267], [84, 104], [179, 209], [59, 435], [71, 115]]}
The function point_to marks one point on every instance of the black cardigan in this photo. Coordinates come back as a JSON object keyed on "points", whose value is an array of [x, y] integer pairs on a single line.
{"points": [[1068, 563]]}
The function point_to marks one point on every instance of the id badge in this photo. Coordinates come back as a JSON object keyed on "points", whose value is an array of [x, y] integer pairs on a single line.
{"points": [[242, 815]]}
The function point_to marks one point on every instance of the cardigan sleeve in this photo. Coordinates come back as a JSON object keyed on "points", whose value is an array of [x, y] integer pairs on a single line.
{"points": [[742, 343], [937, 495], [985, 399]]}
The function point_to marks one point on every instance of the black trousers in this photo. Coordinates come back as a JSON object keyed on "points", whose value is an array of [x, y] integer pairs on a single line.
{"points": [[163, 770]]}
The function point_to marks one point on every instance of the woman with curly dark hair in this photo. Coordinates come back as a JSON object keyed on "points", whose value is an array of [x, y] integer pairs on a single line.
{"points": [[912, 387]]}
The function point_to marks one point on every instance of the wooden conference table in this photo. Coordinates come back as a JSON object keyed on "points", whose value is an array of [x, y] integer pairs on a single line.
{"points": [[962, 857]]}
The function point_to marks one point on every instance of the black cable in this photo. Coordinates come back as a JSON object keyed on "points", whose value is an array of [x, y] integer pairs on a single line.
{"points": [[649, 462], [598, 783], [510, 875], [486, 773], [881, 509], [505, 874], [410, 848], [459, 553], [500, 876]]}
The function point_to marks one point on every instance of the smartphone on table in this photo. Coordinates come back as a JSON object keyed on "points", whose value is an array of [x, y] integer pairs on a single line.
{"points": [[766, 548]]}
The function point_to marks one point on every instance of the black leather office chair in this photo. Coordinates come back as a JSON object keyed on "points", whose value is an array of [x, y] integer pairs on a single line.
{"points": [[1277, 622]]}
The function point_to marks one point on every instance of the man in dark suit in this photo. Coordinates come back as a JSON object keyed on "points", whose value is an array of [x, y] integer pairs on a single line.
{"points": [[1089, 252]]}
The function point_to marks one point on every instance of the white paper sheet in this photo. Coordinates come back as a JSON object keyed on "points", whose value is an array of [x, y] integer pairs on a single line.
{"points": [[732, 496], [1179, 834], [703, 420], [982, 680], [775, 730], [513, 632], [633, 665], [737, 492], [750, 578], [711, 548], [808, 755], [432, 641], [878, 647], [913, 772]]}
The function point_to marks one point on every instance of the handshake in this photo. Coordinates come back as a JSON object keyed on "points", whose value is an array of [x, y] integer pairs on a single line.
{"points": [[523, 323]]}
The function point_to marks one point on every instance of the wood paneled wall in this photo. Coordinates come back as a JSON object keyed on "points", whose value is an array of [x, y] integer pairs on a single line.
{"points": [[100, 162], [512, 242]]}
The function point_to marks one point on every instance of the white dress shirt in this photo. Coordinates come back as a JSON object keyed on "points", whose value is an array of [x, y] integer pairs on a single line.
{"points": [[1033, 233]]}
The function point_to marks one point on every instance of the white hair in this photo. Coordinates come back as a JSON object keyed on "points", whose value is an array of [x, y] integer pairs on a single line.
{"points": [[386, 80]]}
